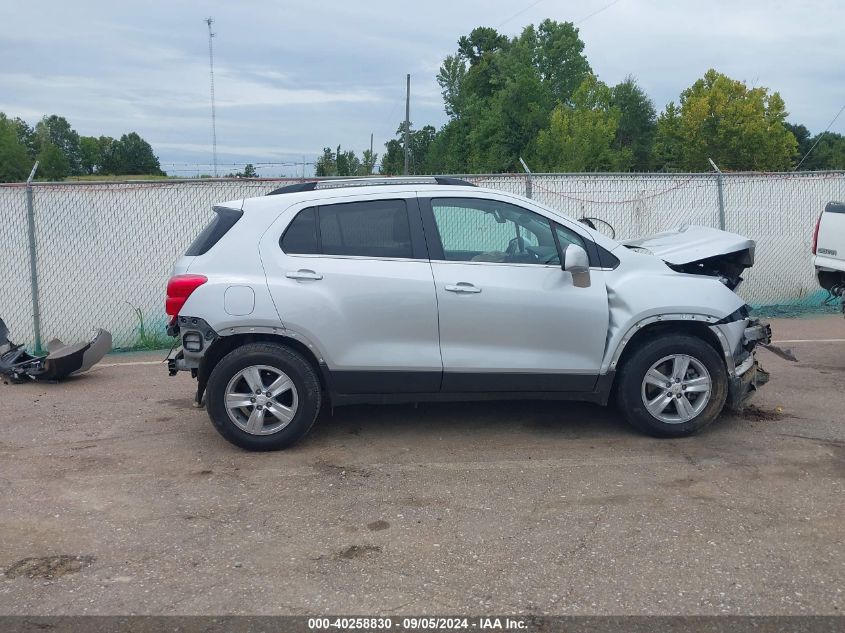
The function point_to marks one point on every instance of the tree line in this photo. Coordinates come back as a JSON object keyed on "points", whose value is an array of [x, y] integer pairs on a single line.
{"points": [[62, 152], [535, 96]]}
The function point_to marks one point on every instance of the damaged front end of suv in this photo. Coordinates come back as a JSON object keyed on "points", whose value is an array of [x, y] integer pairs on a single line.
{"points": [[713, 254]]}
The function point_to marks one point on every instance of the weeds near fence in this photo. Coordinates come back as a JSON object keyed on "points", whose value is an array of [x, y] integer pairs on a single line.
{"points": [[146, 340]]}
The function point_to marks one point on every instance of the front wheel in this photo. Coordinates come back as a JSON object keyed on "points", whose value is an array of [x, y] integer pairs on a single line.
{"points": [[263, 396], [673, 386]]}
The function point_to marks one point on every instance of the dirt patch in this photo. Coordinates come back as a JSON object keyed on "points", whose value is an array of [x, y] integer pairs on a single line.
{"points": [[179, 403], [48, 566], [757, 414], [377, 526], [339, 469], [605, 501], [358, 551]]}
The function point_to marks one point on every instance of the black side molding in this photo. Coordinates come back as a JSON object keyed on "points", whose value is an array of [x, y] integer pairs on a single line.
{"points": [[302, 186], [447, 180]]}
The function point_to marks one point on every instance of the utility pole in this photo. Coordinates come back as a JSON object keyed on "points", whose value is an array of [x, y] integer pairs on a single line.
{"points": [[407, 120], [373, 163], [209, 21]]}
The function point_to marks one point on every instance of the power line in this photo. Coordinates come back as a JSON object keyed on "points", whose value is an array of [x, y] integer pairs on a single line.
{"points": [[534, 4], [518, 13], [819, 137], [604, 8]]}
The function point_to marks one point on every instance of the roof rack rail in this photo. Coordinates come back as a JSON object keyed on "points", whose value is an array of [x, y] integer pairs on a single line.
{"points": [[368, 182]]}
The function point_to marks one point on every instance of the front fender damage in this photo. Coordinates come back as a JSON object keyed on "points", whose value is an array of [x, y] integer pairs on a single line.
{"points": [[747, 374]]}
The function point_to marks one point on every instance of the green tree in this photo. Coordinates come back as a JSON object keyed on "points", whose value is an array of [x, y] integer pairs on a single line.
{"points": [[249, 171], [668, 141], [829, 152], [500, 92], [581, 136], [348, 164], [740, 128], [368, 162], [55, 130], [393, 159], [637, 123], [560, 58], [132, 155], [326, 165], [26, 136], [90, 155], [341, 163], [15, 161], [419, 143], [803, 136], [53, 164], [451, 79]]}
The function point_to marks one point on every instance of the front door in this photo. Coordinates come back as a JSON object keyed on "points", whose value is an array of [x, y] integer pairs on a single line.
{"points": [[510, 318]]}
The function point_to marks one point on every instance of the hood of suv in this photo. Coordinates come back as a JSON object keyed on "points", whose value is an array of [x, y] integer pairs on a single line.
{"points": [[701, 250], [690, 244]]}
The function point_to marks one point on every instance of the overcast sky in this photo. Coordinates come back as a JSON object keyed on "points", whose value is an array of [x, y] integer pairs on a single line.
{"points": [[293, 77]]}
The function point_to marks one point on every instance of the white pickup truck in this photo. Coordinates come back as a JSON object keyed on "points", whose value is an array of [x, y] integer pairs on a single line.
{"points": [[829, 249]]}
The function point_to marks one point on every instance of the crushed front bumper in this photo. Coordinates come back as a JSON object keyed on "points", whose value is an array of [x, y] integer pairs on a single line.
{"points": [[742, 386], [748, 375]]}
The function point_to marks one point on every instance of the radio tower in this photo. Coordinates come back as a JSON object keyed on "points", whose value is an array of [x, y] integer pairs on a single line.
{"points": [[209, 22]]}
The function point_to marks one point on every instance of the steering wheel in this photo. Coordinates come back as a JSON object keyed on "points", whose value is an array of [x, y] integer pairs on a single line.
{"points": [[516, 246]]}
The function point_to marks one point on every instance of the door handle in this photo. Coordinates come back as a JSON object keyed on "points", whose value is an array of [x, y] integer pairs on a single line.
{"points": [[463, 286], [304, 273]]}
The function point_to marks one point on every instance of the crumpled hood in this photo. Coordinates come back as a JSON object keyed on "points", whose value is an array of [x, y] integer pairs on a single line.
{"points": [[690, 244]]}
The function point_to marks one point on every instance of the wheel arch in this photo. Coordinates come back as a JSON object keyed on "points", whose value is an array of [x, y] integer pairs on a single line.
{"points": [[226, 344], [644, 332]]}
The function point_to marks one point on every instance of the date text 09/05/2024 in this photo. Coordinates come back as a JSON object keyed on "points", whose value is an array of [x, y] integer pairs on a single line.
{"points": [[418, 623]]}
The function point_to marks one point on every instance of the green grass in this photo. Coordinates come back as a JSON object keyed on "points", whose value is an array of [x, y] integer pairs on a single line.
{"points": [[148, 340]]}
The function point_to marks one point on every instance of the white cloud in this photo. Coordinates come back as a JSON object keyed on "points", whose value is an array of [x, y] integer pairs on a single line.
{"points": [[293, 78]]}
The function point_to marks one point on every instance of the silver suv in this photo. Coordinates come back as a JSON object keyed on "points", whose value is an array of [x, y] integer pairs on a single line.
{"points": [[431, 289]]}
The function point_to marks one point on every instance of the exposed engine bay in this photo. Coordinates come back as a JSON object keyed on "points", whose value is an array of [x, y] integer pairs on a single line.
{"points": [[699, 250], [17, 365], [728, 268]]}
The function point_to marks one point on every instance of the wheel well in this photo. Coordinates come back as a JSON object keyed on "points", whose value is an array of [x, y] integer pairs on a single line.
{"points": [[664, 328], [225, 344]]}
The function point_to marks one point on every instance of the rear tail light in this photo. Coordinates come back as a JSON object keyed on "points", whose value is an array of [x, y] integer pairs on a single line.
{"points": [[816, 234], [179, 288]]}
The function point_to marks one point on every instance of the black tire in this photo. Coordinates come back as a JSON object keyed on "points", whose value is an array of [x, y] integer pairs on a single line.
{"points": [[633, 372], [284, 359]]}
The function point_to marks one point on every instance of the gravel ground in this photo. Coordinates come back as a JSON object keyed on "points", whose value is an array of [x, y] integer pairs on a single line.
{"points": [[118, 497]]}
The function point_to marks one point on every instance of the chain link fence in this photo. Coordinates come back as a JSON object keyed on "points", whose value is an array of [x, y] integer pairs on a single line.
{"points": [[103, 251]]}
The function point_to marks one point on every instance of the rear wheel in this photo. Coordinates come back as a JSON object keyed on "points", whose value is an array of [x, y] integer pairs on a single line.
{"points": [[673, 386], [263, 396]]}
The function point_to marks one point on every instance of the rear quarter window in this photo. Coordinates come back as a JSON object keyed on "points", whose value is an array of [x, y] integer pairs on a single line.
{"points": [[300, 238], [223, 220]]}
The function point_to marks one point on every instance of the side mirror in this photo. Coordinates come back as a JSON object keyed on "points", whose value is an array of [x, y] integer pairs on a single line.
{"points": [[577, 262]]}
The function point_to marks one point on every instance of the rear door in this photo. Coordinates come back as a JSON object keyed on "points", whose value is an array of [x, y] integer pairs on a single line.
{"points": [[510, 318], [353, 277]]}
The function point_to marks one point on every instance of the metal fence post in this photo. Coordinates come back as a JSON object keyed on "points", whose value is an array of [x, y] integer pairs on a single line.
{"points": [[529, 189], [720, 190], [33, 270]]}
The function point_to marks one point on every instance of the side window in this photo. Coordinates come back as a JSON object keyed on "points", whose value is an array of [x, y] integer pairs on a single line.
{"points": [[566, 236], [369, 229], [300, 238], [475, 230]]}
